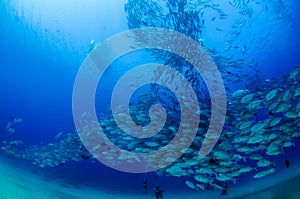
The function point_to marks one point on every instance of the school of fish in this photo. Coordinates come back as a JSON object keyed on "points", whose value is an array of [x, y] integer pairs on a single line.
{"points": [[262, 119]]}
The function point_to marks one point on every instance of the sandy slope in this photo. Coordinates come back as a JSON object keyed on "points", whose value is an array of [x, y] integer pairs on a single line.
{"points": [[18, 183]]}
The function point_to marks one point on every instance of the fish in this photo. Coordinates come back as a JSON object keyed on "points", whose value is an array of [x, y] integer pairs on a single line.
{"points": [[256, 139], [264, 163], [246, 137], [245, 169], [291, 114], [294, 73], [275, 121], [282, 108], [201, 187], [247, 98], [254, 104], [271, 95], [257, 128], [245, 125], [238, 93], [190, 184], [58, 135], [296, 92], [256, 157], [202, 178], [11, 126], [261, 174], [241, 139]]}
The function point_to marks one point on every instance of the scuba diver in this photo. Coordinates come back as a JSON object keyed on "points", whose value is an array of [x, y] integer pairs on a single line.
{"points": [[145, 186], [287, 164], [224, 190], [158, 192]]}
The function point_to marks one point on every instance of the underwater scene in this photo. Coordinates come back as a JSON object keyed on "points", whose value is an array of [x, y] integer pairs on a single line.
{"points": [[163, 99]]}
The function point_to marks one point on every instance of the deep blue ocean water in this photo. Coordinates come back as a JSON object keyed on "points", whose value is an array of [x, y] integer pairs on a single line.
{"points": [[44, 43]]}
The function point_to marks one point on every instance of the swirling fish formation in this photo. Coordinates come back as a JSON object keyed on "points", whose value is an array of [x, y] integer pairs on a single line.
{"points": [[259, 126], [262, 120]]}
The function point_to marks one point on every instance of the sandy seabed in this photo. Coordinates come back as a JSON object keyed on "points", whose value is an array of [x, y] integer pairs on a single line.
{"points": [[19, 183]]}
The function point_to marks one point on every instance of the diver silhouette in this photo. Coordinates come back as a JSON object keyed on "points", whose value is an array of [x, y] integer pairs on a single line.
{"points": [[287, 164], [224, 190], [158, 192], [145, 186]]}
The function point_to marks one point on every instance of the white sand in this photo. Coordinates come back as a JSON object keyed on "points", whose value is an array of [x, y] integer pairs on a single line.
{"points": [[18, 183]]}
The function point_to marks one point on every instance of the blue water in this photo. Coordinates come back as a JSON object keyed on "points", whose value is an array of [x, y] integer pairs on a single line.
{"points": [[43, 46]]}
